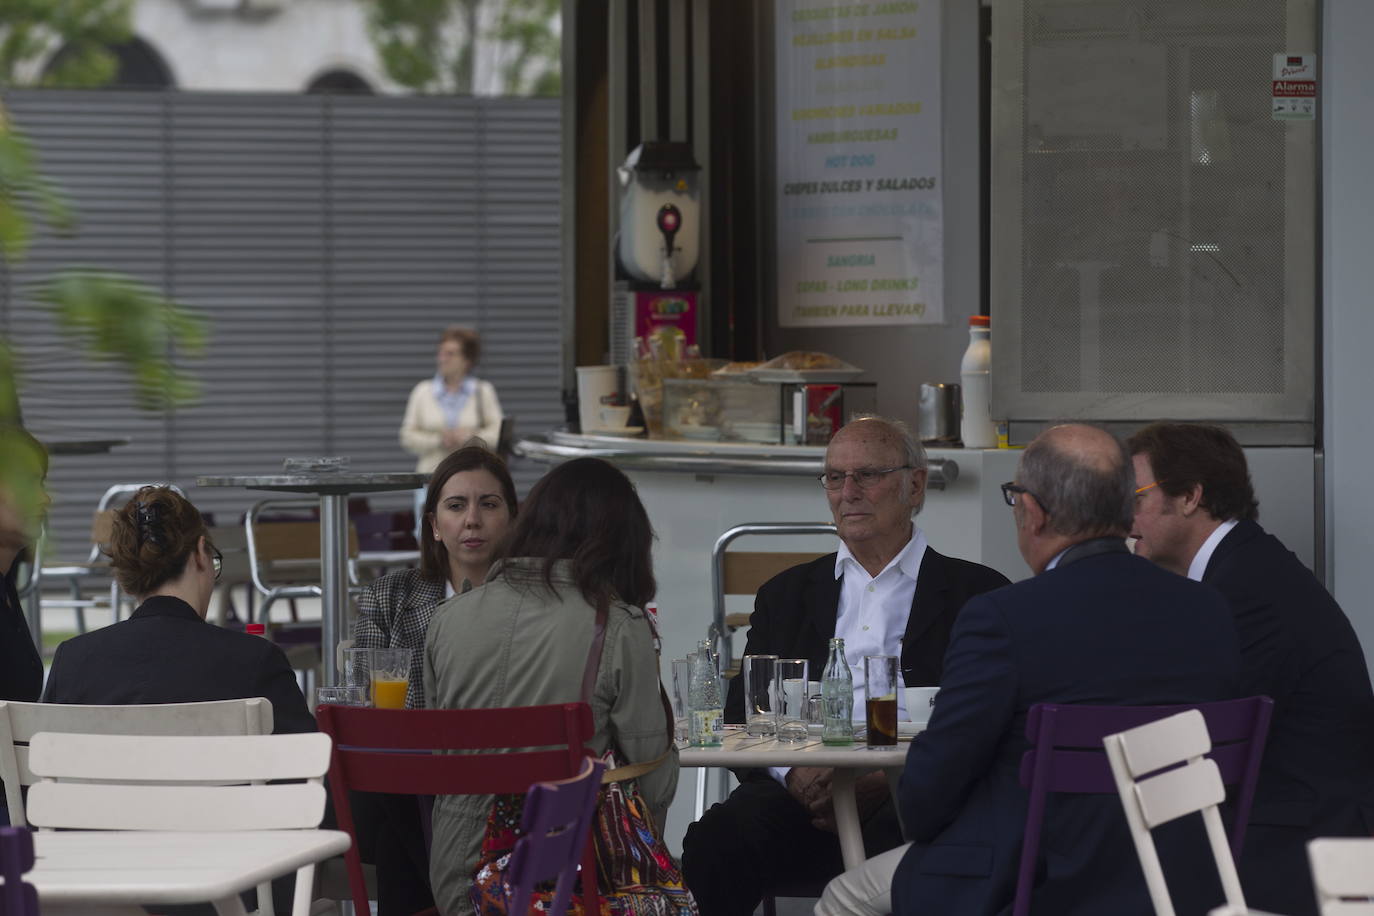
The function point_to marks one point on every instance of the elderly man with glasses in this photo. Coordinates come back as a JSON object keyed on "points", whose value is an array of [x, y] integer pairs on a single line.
{"points": [[886, 592]]}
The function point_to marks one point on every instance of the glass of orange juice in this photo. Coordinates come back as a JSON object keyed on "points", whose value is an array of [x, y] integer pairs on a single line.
{"points": [[390, 670]]}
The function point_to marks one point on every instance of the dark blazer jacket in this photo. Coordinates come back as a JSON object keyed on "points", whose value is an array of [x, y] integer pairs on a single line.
{"points": [[795, 611], [165, 653], [1110, 629], [1317, 775], [21, 668]]}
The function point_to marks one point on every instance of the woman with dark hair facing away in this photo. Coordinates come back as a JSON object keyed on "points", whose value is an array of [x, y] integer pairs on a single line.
{"points": [[165, 652], [583, 540], [468, 510]]}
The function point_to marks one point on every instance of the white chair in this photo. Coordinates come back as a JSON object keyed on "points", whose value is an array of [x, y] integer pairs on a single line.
{"points": [[126, 782], [19, 722], [1343, 874], [1151, 797]]}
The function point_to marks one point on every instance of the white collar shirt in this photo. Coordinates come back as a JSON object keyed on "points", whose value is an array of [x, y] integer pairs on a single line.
{"points": [[1057, 557], [1209, 546], [872, 617], [873, 610]]}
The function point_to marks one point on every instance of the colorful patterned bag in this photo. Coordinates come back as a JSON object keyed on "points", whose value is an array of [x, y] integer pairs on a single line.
{"points": [[636, 874]]}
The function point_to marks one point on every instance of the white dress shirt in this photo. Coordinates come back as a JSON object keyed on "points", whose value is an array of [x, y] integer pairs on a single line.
{"points": [[873, 610], [1209, 546], [872, 617]]}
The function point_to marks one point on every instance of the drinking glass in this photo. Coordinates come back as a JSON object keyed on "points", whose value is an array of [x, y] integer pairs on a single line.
{"points": [[792, 696], [357, 672], [390, 670], [340, 695], [880, 686], [682, 685], [760, 695]]}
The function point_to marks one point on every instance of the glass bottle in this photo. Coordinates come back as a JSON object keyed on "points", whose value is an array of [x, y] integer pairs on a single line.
{"points": [[705, 717], [837, 697]]}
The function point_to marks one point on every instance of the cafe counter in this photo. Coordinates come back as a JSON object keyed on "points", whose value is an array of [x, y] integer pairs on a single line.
{"points": [[695, 490]]}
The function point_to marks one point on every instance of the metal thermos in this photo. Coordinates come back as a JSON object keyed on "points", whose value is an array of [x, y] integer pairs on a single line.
{"points": [[938, 414]]}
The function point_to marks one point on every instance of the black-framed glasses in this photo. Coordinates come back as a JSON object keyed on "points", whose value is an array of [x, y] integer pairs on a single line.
{"points": [[864, 477], [1011, 489], [216, 561]]}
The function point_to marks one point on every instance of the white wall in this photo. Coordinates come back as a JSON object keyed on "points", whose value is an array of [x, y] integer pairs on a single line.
{"points": [[1348, 304], [271, 51]]}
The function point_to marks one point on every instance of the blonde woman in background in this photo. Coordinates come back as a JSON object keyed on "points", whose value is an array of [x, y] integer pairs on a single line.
{"points": [[447, 411]]}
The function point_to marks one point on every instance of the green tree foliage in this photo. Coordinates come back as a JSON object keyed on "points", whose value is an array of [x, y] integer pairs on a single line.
{"points": [[430, 45], [114, 317], [83, 29]]}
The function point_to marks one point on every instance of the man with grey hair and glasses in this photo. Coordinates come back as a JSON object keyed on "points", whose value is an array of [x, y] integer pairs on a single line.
{"points": [[1094, 625], [886, 592]]}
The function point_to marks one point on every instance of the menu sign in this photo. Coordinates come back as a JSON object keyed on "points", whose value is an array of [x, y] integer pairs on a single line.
{"points": [[860, 235]]}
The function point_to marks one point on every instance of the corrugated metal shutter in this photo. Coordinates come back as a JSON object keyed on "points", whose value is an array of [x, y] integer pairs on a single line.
{"points": [[327, 240]]}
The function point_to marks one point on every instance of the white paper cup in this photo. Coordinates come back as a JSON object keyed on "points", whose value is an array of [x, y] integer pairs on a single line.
{"points": [[612, 418], [919, 702], [597, 387]]}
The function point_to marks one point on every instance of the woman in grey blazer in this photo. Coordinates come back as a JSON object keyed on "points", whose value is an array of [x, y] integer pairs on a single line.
{"points": [[468, 509]]}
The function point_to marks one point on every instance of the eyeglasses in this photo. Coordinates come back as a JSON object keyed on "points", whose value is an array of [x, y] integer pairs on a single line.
{"points": [[864, 477], [216, 561], [1011, 490], [1140, 491]]}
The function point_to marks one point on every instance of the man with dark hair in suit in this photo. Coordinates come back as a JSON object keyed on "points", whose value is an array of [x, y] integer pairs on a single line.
{"points": [[1196, 515], [886, 592], [1093, 626]]}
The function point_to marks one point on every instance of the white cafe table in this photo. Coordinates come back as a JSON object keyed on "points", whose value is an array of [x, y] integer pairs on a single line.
{"points": [[334, 488], [104, 871], [740, 750]]}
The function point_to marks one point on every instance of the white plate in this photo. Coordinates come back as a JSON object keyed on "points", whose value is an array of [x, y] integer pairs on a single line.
{"points": [[805, 375], [756, 432]]}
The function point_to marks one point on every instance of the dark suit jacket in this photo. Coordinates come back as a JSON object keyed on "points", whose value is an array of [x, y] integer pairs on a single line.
{"points": [[165, 653], [1109, 629], [1317, 776], [794, 617], [21, 668]]}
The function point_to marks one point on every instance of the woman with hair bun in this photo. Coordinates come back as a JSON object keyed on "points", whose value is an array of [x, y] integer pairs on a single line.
{"points": [[161, 553]]}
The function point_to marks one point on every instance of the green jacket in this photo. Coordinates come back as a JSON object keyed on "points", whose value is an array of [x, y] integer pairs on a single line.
{"points": [[512, 643]]}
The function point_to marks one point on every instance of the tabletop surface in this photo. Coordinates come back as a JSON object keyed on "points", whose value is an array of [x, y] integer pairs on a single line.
{"points": [[113, 866], [320, 481], [739, 749], [83, 446]]}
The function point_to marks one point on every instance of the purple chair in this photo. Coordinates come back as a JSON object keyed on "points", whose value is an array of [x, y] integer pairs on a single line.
{"points": [[1067, 755], [557, 818], [17, 898]]}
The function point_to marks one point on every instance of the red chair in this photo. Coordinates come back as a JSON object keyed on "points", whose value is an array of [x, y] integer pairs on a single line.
{"points": [[554, 829], [390, 751]]}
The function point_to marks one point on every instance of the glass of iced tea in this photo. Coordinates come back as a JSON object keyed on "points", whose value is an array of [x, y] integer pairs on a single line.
{"points": [[390, 671], [880, 687]]}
